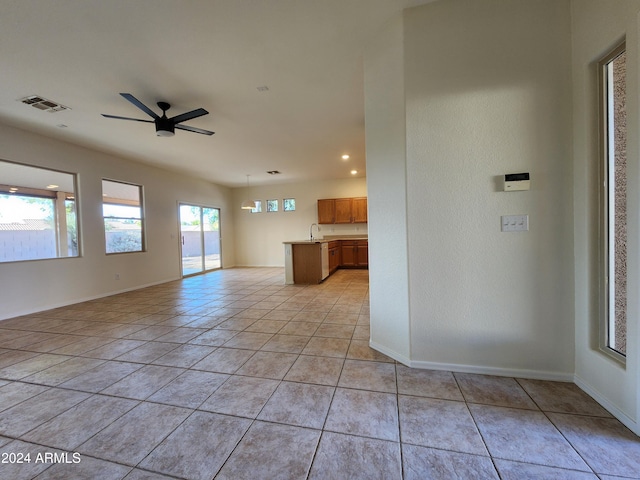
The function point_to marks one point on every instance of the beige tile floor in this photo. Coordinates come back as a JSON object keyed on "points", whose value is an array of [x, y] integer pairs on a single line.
{"points": [[233, 375]]}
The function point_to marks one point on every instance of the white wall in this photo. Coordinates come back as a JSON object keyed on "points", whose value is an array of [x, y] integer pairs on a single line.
{"points": [[598, 26], [386, 178], [487, 92], [259, 236], [27, 287]]}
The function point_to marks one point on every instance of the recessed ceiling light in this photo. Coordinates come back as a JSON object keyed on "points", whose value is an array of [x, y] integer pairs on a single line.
{"points": [[345, 157], [52, 186], [353, 172]]}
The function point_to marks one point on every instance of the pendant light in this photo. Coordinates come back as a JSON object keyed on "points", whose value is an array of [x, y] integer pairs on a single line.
{"points": [[248, 204]]}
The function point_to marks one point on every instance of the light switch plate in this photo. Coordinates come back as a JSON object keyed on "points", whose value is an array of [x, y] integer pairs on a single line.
{"points": [[514, 223]]}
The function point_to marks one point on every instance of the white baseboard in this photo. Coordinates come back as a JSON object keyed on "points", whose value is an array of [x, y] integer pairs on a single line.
{"points": [[630, 423], [479, 369], [390, 353], [500, 372]]}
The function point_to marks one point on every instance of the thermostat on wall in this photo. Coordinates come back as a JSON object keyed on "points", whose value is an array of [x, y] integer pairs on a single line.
{"points": [[516, 181]]}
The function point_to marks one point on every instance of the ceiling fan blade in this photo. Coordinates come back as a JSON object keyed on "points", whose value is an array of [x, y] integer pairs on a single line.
{"points": [[140, 105], [189, 115], [194, 130], [126, 118]]}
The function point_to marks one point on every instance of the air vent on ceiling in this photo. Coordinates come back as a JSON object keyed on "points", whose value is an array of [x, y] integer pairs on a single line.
{"points": [[41, 103], [273, 172]]}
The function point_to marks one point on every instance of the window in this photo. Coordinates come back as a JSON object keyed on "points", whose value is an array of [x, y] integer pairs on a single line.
{"points": [[289, 204], [258, 207], [38, 216], [613, 225], [123, 218], [272, 205]]}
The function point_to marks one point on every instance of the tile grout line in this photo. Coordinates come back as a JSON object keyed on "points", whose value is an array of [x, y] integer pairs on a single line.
{"points": [[475, 423], [556, 427]]}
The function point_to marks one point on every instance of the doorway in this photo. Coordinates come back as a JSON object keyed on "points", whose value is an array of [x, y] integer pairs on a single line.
{"points": [[199, 239]]}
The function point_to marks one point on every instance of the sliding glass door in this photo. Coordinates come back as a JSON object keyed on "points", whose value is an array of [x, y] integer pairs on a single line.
{"points": [[199, 238]]}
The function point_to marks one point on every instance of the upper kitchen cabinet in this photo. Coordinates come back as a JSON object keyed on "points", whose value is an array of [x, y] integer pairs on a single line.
{"points": [[359, 210], [342, 210], [327, 211]]}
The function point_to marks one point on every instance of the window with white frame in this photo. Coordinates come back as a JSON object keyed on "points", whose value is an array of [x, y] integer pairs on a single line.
{"points": [[613, 199], [123, 217], [289, 204], [38, 217], [272, 205]]}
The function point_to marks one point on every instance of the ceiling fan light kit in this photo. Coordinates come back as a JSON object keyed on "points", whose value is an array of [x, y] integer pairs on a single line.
{"points": [[165, 127]]}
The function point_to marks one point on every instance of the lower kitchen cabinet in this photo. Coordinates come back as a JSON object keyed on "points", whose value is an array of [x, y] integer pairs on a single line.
{"points": [[362, 255], [334, 256], [310, 263], [355, 253]]}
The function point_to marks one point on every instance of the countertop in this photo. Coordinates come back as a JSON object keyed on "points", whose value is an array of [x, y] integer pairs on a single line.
{"points": [[326, 239]]}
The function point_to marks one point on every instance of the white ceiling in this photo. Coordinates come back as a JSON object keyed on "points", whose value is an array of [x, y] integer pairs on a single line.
{"points": [[199, 53]]}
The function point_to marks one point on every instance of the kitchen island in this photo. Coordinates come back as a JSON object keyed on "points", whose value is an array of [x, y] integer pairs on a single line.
{"points": [[312, 261]]}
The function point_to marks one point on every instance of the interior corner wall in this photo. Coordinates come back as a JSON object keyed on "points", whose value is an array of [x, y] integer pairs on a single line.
{"points": [[259, 236], [488, 93], [597, 27], [37, 285], [386, 179]]}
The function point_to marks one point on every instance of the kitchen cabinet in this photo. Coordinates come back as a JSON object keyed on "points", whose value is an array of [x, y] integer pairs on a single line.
{"points": [[359, 210], [327, 211], [334, 256], [355, 253], [310, 262], [342, 210], [362, 255]]}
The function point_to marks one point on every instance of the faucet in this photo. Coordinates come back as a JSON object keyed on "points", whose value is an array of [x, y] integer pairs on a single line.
{"points": [[311, 230]]}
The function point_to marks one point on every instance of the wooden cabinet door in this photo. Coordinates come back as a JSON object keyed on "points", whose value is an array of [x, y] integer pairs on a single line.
{"points": [[327, 211], [363, 254], [307, 263], [343, 210], [334, 259], [359, 210], [349, 255]]}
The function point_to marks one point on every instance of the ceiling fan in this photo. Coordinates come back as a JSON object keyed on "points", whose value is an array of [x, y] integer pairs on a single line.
{"points": [[165, 127]]}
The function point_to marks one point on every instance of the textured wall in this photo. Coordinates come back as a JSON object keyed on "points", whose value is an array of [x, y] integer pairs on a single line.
{"points": [[387, 177], [488, 92]]}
